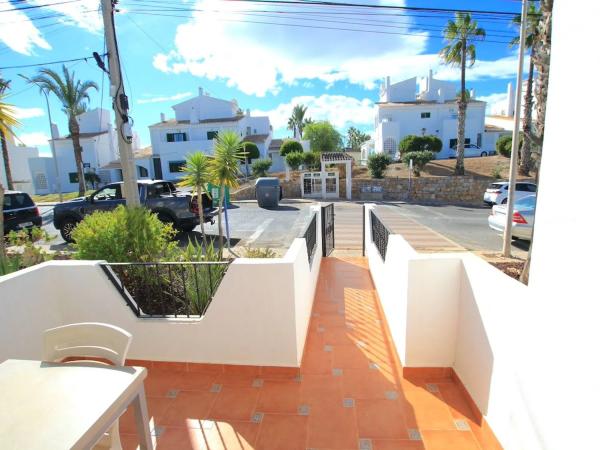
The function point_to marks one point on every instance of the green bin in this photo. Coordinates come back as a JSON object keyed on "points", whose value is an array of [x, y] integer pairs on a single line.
{"points": [[213, 189]]}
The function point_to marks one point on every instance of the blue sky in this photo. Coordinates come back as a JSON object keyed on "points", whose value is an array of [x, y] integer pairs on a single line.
{"points": [[224, 49]]}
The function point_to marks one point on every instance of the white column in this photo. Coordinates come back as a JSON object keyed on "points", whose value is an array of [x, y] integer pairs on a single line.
{"points": [[349, 180]]}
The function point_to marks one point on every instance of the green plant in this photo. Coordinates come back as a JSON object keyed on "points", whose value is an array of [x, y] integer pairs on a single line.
{"points": [[377, 163], [497, 172], [250, 252], [290, 146], [297, 122], [460, 34], [323, 137], [419, 159], [250, 151], [27, 254], [8, 121], [504, 144], [92, 179], [72, 94], [312, 160], [413, 143], [356, 138], [225, 170], [260, 167], [123, 235], [197, 175], [294, 160]]}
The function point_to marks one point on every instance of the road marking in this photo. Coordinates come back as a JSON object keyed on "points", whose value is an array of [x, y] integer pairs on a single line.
{"points": [[259, 230]]}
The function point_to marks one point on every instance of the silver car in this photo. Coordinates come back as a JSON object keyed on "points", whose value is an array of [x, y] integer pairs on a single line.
{"points": [[523, 216]]}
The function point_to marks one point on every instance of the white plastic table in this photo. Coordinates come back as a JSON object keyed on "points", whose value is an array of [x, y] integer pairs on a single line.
{"points": [[67, 406]]}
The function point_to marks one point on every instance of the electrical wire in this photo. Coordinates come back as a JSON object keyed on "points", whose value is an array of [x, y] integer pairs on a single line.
{"points": [[47, 63], [24, 8]]}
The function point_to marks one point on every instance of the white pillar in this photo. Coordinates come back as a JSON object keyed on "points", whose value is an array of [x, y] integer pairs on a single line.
{"points": [[349, 180]]}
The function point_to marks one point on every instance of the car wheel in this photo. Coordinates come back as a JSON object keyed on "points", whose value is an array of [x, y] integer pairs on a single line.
{"points": [[505, 201], [66, 229], [484, 154], [186, 228]]}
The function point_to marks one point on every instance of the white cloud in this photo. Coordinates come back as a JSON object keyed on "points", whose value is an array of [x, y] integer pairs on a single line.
{"points": [[20, 34], [83, 13], [340, 110], [160, 99], [27, 113], [34, 139], [500, 68], [496, 103]]}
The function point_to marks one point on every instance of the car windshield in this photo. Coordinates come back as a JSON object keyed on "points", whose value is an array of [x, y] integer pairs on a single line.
{"points": [[495, 186], [526, 202], [16, 201]]}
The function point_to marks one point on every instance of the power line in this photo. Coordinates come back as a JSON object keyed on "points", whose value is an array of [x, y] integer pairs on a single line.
{"points": [[48, 63], [38, 6]]}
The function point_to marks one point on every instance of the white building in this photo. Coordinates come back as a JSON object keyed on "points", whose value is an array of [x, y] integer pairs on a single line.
{"points": [[197, 123], [424, 106], [19, 157]]}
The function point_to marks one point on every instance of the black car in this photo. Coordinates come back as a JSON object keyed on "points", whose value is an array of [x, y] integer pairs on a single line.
{"points": [[20, 213]]}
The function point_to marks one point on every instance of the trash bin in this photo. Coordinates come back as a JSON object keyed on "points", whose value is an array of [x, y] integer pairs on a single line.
{"points": [[268, 192]]}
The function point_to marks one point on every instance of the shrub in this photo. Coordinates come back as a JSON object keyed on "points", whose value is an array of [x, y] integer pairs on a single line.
{"points": [[497, 172], [260, 167], [123, 235], [251, 151], [323, 137], [312, 160], [250, 252], [377, 163], [29, 254], [412, 143], [419, 159], [294, 160], [504, 144], [290, 146]]}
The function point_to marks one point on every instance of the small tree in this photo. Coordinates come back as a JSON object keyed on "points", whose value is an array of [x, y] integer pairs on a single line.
{"points": [[290, 146], [294, 160], [260, 167], [251, 152], [312, 160], [504, 144], [413, 143], [419, 159], [377, 163], [323, 137], [356, 138]]}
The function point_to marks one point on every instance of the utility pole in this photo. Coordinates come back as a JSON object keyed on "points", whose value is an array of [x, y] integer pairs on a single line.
{"points": [[514, 153], [58, 183], [120, 106]]}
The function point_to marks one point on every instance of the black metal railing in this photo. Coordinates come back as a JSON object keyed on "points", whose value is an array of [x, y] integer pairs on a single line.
{"points": [[310, 236], [379, 234], [167, 289]]}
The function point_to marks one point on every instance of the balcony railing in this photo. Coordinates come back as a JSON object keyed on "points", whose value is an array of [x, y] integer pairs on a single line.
{"points": [[310, 235], [380, 234], [167, 289]]}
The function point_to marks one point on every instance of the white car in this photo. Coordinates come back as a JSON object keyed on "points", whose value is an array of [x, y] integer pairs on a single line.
{"points": [[473, 151], [522, 220], [497, 193]]}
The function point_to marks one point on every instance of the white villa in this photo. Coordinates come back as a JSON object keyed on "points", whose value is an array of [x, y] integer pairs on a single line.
{"points": [[425, 106], [197, 123], [19, 156]]}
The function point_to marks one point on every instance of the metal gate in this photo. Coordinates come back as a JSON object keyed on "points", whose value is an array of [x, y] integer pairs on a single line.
{"points": [[327, 229]]}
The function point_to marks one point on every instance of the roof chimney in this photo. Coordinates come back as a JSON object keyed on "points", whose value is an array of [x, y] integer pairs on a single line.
{"points": [[248, 113], [440, 97], [200, 91], [54, 131], [510, 101], [162, 117], [472, 94]]}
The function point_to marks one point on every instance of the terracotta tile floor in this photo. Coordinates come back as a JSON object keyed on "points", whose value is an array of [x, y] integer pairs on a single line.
{"points": [[349, 392]]}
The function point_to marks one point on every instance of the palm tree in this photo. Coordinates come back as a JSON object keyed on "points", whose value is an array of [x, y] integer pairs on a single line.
{"points": [[225, 168], [533, 19], [297, 121], [5, 130], [197, 175], [7, 122], [72, 94], [460, 35]]}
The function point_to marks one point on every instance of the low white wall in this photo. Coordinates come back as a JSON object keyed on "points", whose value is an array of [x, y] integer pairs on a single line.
{"points": [[259, 315], [456, 310]]}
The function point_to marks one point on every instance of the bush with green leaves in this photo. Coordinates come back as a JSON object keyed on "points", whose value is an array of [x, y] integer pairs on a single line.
{"points": [[28, 254], [504, 145], [290, 146], [260, 167], [312, 160], [377, 163], [413, 143], [123, 235], [250, 150], [294, 160], [419, 159], [323, 137]]}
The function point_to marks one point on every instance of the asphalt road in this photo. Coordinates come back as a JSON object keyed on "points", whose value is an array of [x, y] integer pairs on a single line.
{"points": [[466, 226], [249, 226]]}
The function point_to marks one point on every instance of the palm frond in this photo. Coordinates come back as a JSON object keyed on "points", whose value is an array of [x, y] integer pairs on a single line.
{"points": [[8, 119]]}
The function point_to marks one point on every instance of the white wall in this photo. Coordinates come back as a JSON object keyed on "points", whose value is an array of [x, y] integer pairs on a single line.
{"points": [[259, 314]]}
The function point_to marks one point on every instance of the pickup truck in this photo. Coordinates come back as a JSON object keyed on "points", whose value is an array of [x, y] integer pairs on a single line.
{"points": [[161, 197]]}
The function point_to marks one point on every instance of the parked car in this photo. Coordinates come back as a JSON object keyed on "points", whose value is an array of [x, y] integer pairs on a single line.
{"points": [[523, 216], [20, 213], [161, 197], [497, 193], [473, 151]]}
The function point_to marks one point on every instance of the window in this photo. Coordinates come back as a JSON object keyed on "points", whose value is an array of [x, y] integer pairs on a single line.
{"points": [[525, 187], [453, 142], [40, 181], [210, 135], [16, 201], [479, 140], [177, 137], [176, 166], [159, 189], [390, 147], [425, 115], [110, 192], [142, 172], [248, 131], [73, 178]]}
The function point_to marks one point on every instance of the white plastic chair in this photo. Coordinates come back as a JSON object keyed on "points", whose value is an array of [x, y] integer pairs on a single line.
{"points": [[90, 340]]}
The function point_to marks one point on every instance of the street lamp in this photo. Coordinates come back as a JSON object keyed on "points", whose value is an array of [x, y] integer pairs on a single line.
{"points": [[45, 92]]}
